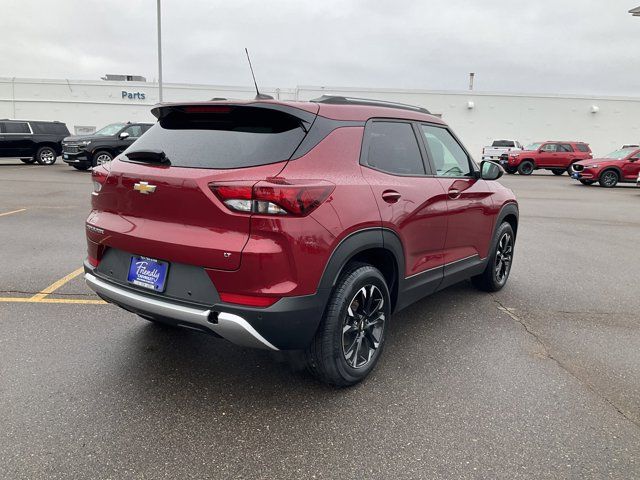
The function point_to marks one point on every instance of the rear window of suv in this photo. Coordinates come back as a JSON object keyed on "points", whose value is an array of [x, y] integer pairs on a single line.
{"points": [[583, 147], [228, 137], [50, 128]]}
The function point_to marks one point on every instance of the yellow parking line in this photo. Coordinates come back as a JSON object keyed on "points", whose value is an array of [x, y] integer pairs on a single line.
{"points": [[56, 285], [12, 212], [52, 300]]}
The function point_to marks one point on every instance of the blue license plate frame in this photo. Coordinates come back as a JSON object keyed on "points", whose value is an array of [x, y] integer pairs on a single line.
{"points": [[148, 273]]}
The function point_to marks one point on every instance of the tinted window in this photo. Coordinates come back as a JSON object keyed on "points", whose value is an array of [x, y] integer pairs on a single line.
{"points": [[232, 137], [583, 147], [133, 131], [393, 148], [503, 143], [50, 128], [448, 156], [565, 147], [550, 147], [16, 127]]}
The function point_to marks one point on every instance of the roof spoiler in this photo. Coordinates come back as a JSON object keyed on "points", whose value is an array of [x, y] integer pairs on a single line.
{"points": [[161, 110]]}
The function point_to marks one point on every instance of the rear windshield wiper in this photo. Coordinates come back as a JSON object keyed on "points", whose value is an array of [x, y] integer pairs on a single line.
{"points": [[148, 156]]}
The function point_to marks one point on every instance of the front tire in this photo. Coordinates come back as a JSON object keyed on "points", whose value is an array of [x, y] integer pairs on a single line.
{"points": [[28, 160], [101, 157], [608, 179], [586, 182], [350, 339], [559, 171], [498, 267], [81, 166], [46, 156], [526, 168], [511, 170]]}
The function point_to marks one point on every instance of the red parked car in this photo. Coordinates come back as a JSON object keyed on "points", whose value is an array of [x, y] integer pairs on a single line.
{"points": [[620, 166], [555, 156], [295, 225]]}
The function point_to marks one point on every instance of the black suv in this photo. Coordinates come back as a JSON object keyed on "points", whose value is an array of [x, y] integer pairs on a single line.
{"points": [[32, 140], [85, 151]]}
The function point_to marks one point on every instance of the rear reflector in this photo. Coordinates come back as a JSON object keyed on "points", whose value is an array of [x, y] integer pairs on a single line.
{"points": [[248, 300]]}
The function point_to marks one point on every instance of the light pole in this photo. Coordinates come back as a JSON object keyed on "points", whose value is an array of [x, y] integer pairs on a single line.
{"points": [[159, 55], [635, 12]]}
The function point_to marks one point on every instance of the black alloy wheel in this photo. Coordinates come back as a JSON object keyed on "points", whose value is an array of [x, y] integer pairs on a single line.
{"points": [[351, 336], [363, 326], [496, 272], [608, 179], [504, 257], [526, 168]]}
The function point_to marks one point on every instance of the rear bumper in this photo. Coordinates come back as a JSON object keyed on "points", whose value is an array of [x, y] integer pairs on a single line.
{"points": [[289, 324]]}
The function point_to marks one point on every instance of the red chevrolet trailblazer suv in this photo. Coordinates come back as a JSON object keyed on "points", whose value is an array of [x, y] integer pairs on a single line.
{"points": [[295, 225], [555, 156]]}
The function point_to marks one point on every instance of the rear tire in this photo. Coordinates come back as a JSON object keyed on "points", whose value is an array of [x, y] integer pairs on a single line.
{"points": [[28, 160], [498, 267], [586, 182], [351, 336], [46, 156], [81, 166], [608, 179], [526, 167], [558, 171]]}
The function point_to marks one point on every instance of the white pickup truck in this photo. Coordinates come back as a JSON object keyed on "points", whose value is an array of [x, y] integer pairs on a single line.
{"points": [[499, 148]]}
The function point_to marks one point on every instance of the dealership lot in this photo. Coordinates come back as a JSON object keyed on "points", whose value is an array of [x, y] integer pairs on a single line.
{"points": [[540, 379]]}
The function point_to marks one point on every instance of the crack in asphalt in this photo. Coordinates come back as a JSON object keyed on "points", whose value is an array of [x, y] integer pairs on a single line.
{"points": [[547, 353]]}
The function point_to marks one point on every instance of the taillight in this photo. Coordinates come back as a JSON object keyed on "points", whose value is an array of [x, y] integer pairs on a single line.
{"points": [[99, 177], [274, 196]]}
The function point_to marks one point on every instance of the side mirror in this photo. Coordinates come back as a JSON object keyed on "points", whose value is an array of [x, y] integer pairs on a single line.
{"points": [[490, 170], [123, 135]]}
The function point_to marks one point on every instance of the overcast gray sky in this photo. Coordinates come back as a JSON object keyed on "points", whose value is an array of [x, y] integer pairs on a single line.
{"points": [[563, 46]]}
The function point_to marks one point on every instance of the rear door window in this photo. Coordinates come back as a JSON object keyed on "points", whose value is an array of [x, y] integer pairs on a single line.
{"points": [[392, 147], [16, 127], [565, 147], [224, 137]]}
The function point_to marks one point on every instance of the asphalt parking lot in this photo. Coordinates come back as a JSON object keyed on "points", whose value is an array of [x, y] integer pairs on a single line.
{"points": [[541, 380]]}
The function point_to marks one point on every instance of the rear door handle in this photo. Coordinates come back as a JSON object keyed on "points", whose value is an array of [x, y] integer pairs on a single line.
{"points": [[391, 196], [454, 193]]}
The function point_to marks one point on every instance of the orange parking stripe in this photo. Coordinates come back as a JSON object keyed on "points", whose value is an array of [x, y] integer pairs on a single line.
{"points": [[12, 212], [56, 285], [51, 300]]}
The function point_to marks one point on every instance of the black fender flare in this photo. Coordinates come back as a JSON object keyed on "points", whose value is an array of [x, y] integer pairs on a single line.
{"points": [[359, 241], [507, 209]]}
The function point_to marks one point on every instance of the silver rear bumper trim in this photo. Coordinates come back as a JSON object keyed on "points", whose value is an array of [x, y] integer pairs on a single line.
{"points": [[228, 325]]}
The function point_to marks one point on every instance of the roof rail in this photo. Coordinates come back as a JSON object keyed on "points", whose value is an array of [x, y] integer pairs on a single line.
{"points": [[340, 100]]}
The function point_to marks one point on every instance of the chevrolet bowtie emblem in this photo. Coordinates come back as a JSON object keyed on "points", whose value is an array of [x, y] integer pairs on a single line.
{"points": [[144, 187]]}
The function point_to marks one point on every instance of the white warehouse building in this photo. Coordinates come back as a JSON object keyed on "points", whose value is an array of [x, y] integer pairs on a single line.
{"points": [[605, 123]]}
